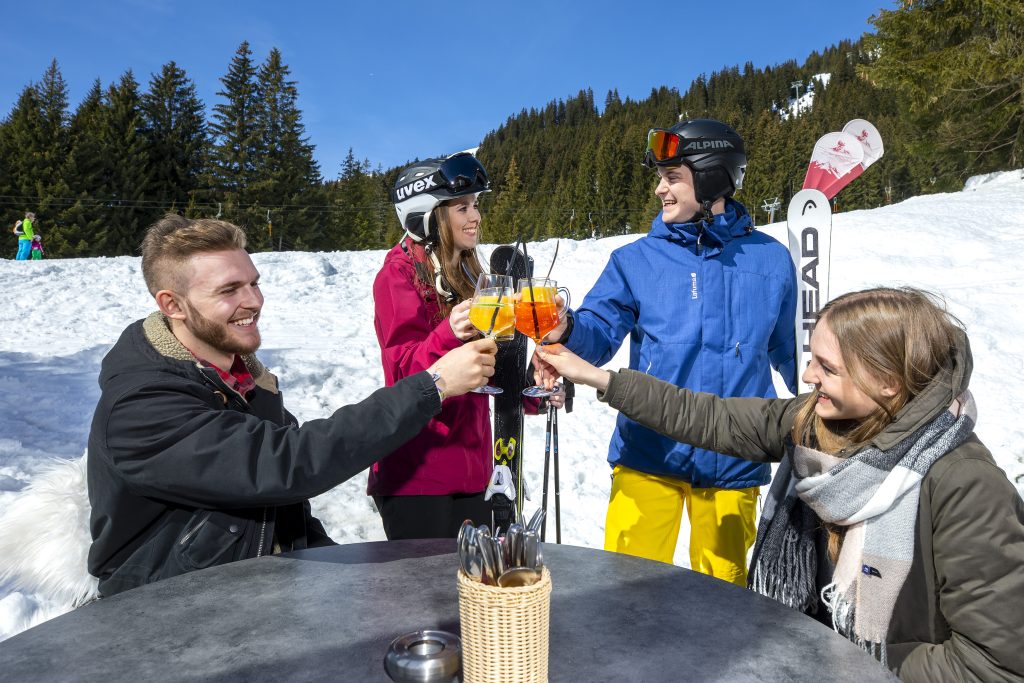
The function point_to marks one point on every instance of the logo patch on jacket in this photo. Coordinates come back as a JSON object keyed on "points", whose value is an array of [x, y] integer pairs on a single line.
{"points": [[870, 571]]}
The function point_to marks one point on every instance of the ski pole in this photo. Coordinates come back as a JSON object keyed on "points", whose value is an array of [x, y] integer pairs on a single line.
{"points": [[547, 462], [554, 455]]}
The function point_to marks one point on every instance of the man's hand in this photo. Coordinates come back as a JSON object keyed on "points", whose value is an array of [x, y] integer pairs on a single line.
{"points": [[466, 367], [557, 399], [459, 320], [555, 335], [564, 362]]}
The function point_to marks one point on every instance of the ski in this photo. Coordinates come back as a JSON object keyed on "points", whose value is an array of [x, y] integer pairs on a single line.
{"points": [[871, 143], [809, 219], [506, 489], [837, 159], [835, 155]]}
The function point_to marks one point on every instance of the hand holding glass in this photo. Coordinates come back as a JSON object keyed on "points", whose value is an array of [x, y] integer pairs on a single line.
{"points": [[539, 310], [492, 313]]}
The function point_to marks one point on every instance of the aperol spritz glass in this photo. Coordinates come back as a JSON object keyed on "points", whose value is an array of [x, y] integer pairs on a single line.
{"points": [[492, 312], [540, 307]]}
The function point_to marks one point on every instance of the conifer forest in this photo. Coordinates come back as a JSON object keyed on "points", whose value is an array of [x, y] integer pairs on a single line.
{"points": [[943, 81]]}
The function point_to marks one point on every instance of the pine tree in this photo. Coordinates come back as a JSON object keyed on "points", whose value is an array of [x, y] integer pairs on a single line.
{"points": [[37, 142], [175, 131], [126, 193], [87, 171], [20, 144], [361, 213], [287, 169], [235, 138], [504, 220], [959, 67]]}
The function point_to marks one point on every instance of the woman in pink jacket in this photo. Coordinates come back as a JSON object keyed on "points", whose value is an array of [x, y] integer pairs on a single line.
{"points": [[426, 488]]}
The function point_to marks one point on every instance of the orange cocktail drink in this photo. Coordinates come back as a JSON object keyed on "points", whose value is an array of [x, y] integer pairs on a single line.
{"points": [[536, 311]]}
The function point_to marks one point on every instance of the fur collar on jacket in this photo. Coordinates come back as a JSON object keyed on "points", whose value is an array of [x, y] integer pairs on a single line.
{"points": [[158, 334]]}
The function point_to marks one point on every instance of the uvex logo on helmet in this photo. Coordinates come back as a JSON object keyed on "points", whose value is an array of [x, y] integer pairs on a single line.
{"points": [[701, 145], [420, 185]]}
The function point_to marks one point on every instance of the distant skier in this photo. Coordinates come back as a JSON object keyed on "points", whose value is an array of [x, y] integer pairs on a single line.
{"points": [[25, 231], [37, 248], [707, 304]]}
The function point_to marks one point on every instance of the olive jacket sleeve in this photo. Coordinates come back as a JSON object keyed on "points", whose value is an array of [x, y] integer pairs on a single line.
{"points": [[749, 428]]}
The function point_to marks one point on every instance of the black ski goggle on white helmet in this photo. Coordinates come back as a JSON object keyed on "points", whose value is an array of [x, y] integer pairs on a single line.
{"points": [[455, 176]]}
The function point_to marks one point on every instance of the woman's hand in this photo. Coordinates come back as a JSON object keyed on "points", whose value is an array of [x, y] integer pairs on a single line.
{"points": [[557, 399], [459, 320], [563, 362]]}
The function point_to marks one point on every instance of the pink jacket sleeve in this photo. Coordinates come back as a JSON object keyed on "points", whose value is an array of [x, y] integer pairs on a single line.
{"points": [[409, 342]]}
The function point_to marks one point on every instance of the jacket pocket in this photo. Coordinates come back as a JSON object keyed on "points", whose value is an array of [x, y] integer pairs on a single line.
{"points": [[206, 540]]}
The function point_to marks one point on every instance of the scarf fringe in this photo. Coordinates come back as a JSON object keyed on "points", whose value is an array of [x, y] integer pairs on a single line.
{"points": [[791, 580], [843, 618]]}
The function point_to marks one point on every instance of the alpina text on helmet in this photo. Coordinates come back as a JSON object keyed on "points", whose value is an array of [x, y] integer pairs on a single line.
{"points": [[415, 188], [698, 145]]}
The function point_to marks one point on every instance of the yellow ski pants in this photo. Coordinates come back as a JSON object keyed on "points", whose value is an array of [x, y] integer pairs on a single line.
{"points": [[645, 510]]}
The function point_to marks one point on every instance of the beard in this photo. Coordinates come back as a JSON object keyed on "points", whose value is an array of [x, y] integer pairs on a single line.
{"points": [[217, 335]]}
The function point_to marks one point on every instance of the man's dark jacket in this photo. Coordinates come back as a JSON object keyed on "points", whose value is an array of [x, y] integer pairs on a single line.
{"points": [[186, 474]]}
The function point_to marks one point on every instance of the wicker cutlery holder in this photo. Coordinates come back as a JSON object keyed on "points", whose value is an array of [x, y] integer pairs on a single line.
{"points": [[504, 631]]}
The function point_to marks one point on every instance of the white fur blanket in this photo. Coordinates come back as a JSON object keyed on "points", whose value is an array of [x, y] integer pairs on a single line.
{"points": [[44, 539]]}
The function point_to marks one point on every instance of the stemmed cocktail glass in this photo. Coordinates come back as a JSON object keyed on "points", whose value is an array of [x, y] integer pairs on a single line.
{"points": [[492, 312], [539, 309]]}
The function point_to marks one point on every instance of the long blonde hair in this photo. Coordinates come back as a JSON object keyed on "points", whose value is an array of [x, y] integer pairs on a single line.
{"points": [[903, 335], [459, 267]]}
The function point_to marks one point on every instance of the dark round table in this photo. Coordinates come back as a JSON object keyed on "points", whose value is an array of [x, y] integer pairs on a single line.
{"points": [[329, 614]]}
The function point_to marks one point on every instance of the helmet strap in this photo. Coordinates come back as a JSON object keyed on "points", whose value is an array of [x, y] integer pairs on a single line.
{"points": [[426, 226], [439, 282], [705, 207]]}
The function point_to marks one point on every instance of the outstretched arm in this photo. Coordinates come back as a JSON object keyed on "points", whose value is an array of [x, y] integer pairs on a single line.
{"points": [[749, 428]]}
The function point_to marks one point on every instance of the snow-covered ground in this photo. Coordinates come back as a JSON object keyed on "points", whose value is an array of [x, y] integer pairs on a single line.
{"points": [[61, 316]]}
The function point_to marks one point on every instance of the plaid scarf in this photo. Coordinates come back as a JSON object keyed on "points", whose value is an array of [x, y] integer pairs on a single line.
{"points": [[874, 494]]}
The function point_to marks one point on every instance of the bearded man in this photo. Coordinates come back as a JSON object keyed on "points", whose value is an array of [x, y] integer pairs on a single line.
{"points": [[193, 460]]}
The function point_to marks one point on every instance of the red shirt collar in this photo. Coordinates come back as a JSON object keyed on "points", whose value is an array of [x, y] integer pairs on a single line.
{"points": [[238, 378]]}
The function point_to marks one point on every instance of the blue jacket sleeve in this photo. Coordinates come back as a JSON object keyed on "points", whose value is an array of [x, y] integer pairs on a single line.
{"points": [[609, 312], [782, 342]]}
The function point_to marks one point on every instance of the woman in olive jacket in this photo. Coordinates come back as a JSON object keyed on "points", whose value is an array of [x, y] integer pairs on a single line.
{"points": [[887, 509]]}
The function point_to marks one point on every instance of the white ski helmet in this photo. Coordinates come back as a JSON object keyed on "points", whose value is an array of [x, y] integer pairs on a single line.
{"points": [[425, 184]]}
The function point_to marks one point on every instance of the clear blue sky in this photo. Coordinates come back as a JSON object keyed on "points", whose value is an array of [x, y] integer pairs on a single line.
{"points": [[399, 79]]}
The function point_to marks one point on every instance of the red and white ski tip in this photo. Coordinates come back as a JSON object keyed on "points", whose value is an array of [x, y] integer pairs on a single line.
{"points": [[834, 156], [871, 141]]}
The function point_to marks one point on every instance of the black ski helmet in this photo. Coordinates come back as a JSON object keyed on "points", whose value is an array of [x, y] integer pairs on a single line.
{"points": [[425, 184], [712, 151]]}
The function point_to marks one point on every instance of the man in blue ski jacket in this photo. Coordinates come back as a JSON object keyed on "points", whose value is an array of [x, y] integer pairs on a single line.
{"points": [[708, 304]]}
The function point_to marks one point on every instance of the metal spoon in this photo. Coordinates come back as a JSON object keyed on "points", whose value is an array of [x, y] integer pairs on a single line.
{"points": [[463, 530], [490, 551], [537, 520], [513, 546], [533, 557], [463, 549], [469, 555], [518, 576]]}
